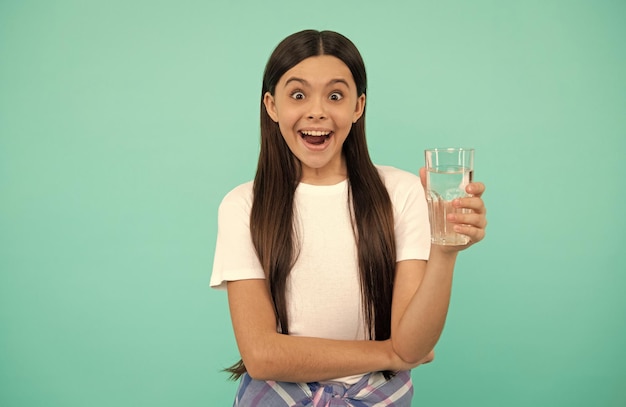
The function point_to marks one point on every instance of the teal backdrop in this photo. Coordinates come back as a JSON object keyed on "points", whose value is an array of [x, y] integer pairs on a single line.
{"points": [[124, 123]]}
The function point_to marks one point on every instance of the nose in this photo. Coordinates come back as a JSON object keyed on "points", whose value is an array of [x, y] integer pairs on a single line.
{"points": [[317, 110]]}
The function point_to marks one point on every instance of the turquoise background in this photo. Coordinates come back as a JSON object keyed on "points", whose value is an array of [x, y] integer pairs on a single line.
{"points": [[123, 124]]}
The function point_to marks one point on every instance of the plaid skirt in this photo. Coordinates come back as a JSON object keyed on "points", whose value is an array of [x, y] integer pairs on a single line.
{"points": [[371, 390]]}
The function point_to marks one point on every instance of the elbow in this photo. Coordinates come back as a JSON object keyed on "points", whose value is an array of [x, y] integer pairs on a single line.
{"points": [[263, 356], [406, 353], [410, 359], [256, 372], [415, 356], [258, 365], [430, 356]]}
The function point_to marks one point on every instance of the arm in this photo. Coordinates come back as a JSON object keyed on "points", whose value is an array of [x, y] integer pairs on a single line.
{"points": [[422, 289], [266, 353], [269, 355], [420, 304]]}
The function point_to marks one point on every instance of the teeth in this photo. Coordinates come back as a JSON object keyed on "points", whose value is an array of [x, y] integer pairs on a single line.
{"points": [[315, 133]]}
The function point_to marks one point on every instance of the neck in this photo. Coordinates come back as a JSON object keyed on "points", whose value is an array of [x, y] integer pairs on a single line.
{"points": [[325, 176]]}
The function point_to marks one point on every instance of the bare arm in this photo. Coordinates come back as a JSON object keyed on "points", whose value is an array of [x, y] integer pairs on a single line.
{"points": [[269, 355], [420, 305], [422, 289]]}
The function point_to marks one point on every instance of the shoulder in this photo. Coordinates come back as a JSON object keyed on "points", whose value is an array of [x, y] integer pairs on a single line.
{"points": [[241, 192], [395, 178], [403, 186], [239, 197]]}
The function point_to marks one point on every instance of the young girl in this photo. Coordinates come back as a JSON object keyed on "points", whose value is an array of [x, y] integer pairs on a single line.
{"points": [[335, 292]]}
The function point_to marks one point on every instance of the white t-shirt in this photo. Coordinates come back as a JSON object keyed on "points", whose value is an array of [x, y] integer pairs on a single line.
{"points": [[323, 290]]}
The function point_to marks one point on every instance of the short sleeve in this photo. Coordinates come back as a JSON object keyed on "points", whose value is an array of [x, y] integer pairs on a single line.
{"points": [[235, 257], [412, 227]]}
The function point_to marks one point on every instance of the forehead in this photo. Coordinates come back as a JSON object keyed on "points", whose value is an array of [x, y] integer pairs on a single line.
{"points": [[320, 69]]}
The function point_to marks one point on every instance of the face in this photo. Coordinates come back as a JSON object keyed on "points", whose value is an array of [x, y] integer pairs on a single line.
{"points": [[315, 104]]}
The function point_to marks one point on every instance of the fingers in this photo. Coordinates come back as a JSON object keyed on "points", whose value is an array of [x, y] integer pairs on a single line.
{"points": [[475, 203], [471, 219], [474, 222], [475, 189], [474, 233], [469, 224], [423, 176]]}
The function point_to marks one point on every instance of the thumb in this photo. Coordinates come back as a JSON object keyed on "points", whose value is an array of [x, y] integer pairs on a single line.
{"points": [[423, 176]]}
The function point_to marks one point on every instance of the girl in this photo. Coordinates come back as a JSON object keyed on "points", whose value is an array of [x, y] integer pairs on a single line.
{"points": [[335, 292]]}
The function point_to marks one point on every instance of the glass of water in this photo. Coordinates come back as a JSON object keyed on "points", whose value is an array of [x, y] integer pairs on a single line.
{"points": [[448, 172]]}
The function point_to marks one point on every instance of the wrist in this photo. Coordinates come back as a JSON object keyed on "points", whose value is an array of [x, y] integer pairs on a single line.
{"points": [[446, 253], [392, 360]]}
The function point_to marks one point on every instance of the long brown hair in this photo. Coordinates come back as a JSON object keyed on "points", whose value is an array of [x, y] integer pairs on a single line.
{"points": [[278, 173]]}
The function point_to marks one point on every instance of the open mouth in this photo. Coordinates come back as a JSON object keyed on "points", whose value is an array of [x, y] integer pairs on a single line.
{"points": [[315, 137]]}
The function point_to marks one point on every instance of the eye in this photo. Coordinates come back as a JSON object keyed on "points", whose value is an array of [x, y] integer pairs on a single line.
{"points": [[336, 96], [298, 95]]}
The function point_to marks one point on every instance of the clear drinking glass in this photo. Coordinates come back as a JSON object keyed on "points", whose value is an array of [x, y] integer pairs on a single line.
{"points": [[448, 171]]}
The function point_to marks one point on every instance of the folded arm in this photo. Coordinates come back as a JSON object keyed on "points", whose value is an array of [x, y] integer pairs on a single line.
{"points": [[269, 355]]}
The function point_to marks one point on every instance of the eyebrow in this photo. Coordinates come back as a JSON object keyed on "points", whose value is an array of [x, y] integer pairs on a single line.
{"points": [[306, 83]]}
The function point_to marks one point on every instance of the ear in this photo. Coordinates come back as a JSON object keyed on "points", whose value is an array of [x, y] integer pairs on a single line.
{"points": [[359, 109], [270, 106]]}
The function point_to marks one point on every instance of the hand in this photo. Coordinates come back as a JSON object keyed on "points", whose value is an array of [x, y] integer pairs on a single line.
{"points": [[471, 224]]}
